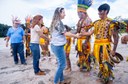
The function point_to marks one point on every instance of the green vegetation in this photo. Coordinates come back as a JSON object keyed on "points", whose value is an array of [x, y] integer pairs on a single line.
{"points": [[3, 30]]}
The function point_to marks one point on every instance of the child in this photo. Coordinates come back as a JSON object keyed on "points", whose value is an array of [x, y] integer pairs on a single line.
{"points": [[67, 49], [44, 42]]}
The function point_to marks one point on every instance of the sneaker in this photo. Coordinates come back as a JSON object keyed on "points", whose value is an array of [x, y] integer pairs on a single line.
{"points": [[40, 73], [16, 63], [44, 58], [49, 58], [65, 82], [24, 63], [111, 78]]}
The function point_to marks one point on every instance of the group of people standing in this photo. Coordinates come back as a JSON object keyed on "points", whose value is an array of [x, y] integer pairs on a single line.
{"points": [[103, 29]]}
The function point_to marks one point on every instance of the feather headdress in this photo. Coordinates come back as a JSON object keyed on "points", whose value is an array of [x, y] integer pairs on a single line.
{"points": [[28, 19], [83, 5], [15, 19]]}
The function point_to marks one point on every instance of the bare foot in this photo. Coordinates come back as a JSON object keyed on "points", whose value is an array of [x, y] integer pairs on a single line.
{"points": [[68, 69]]}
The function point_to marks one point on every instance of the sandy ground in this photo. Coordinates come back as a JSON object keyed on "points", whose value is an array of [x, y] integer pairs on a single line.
{"points": [[23, 74]]}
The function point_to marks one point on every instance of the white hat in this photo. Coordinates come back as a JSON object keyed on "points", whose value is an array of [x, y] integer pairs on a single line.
{"points": [[15, 20]]}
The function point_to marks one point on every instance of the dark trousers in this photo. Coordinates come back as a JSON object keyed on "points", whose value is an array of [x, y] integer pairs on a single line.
{"points": [[18, 48]]}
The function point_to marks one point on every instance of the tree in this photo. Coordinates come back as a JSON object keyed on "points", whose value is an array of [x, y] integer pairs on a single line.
{"points": [[3, 29]]}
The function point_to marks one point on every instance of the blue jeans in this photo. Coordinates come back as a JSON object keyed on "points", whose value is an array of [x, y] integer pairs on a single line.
{"points": [[36, 56], [18, 48], [61, 59]]}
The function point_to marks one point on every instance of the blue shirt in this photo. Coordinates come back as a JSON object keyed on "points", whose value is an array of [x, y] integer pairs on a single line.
{"points": [[16, 34], [58, 37]]}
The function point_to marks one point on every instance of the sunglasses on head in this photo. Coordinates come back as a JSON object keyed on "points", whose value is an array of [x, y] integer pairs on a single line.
{"points": [[60, 9]]}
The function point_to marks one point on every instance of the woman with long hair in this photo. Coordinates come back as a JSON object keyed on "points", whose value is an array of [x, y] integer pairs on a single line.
{"points": [[58, 40], [36, 33]]}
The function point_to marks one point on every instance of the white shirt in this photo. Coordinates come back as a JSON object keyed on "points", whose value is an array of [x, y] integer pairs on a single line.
{"points": [[34, 35]]}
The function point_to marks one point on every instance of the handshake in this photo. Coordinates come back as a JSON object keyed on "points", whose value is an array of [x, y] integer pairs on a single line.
{"points": [[83, 33]]}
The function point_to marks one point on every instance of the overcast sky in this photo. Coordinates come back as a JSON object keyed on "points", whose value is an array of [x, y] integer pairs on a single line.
{"points": [[22, 8]]}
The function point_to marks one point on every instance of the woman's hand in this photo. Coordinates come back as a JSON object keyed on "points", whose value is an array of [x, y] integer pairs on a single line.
{"points": [[83, 33], [78, 35]]}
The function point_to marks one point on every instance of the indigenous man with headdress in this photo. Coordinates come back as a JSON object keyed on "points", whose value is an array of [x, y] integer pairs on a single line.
{"points": [[28, 20], [104, 29], [83, 43], [67, 48], [44, 42]]}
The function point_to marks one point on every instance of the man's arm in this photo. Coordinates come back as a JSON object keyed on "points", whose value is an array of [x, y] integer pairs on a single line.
{"points": [[7, 40], [24, 39], [87, 33], [115, 38], [8, 37]]}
